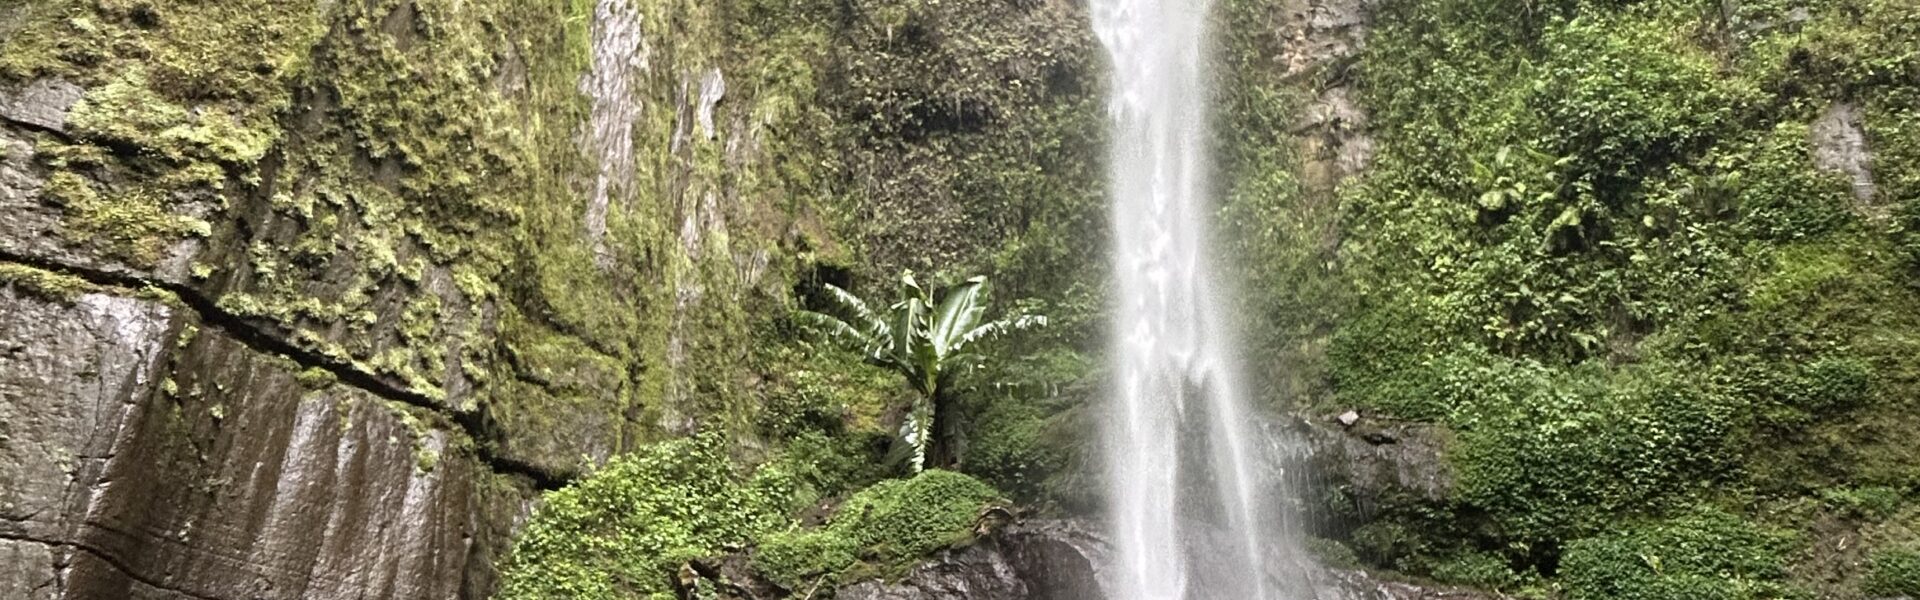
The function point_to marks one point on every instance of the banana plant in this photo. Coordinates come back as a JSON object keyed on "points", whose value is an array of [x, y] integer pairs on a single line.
{"points": [[926, 338]]}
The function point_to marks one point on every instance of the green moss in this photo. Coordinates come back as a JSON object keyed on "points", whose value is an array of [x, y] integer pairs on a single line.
{"points": [[129, 111], [315, 378], [881, 530], [47, 285], [129, 223], [1872, 502], [187, 93]]}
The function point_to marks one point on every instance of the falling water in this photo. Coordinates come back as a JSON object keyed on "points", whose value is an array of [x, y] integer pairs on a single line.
{"points": [[1189, 477]]}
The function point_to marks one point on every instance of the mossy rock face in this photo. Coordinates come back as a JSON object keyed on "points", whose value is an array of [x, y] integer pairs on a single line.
{"points": [[1590, 237], [404, 186], [205, 424], [880, 531], [408, 196]]}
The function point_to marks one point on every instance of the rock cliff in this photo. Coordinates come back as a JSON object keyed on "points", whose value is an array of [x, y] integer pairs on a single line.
{"points": [[309, 300]]}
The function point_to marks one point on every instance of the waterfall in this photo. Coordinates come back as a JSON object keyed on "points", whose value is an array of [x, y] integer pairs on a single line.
{"points": [[1191, 478]]}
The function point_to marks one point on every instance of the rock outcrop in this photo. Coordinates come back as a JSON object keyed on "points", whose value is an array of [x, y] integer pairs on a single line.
{"points": [[1377, 462], [1060, 560], [295, 300], [150, 453], [307, 300]]}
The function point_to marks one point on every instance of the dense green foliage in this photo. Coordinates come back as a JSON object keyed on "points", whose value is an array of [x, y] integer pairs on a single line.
{"points": [[1895, 572], [1598, 243], [926, 337], [881, 530], [624, 532], [627, 530], [1700, 555]]}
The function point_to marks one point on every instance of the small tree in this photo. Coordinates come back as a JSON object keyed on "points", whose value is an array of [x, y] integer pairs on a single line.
{"points": [[924, 337]]}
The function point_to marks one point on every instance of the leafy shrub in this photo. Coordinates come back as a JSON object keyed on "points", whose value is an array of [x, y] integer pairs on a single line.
{"points": [[1017, 415], [1894, 572], [1705, 554], [822, 466], [1383, 359], [883, 528], [1872, 502], [1479, 569], [1621, 96], [822, 391], [621, 532], [1534, 442], [1008, 447]]}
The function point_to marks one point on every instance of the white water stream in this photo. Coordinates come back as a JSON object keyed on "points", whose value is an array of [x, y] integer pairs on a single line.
{"points": [[1191, 478]]}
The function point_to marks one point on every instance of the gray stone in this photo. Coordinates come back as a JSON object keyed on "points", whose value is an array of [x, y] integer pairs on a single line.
{"points": [[713, 87], [1840, 146], [1349, 418], [1346, 584], [40, 103], [1377, 460], [140, 461], [31, 226], [28, 570]]}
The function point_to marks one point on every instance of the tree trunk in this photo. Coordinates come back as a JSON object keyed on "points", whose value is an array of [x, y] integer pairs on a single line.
{"points": [[943, 451]]}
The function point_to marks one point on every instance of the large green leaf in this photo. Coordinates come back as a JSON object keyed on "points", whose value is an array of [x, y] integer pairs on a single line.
{"points": [[834, 329], [854, 306], [958, 313], [917, 340], [996, 328]]}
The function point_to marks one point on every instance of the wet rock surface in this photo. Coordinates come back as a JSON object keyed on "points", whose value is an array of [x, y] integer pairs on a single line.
{"points": [[1360, 585], [147, 454], [1374, 459], [1042, 559], [1059, 560]]}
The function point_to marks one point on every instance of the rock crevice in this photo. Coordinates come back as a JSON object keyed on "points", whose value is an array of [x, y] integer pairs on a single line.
{"points": [[256, 337]]}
